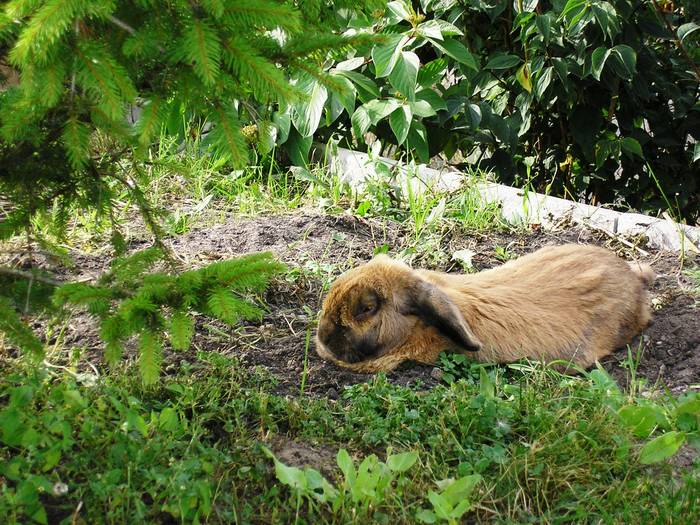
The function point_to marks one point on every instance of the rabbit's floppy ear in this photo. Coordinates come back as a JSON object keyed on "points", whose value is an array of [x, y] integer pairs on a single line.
{"points": [[434, 307]]}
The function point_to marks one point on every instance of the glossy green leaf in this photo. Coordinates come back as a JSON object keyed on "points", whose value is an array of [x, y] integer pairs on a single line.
{"points": [[402, 462], [399, 9], [298, 147], [626, 65], [345, 97], [441, 507], [417, 140], [349, 65], [283, 122], [346, 465], [544, 26], [686, 30], [426, 516], [523, 78], [457, 51], [400, 122], [503, 61], [380, 109], [403, 77], [605, 149], [631, 147], [367, 88], [433, 98], [430, 29], [431, 73], [361, 121], [385, 56], [422, 108], [461, 488], [641, 420], [306, 114], [543, 82], [662, 447], [168, 420], [690, 406], [598, 59], [486, 386], [446, 28], [572, 7], [607, 18]]}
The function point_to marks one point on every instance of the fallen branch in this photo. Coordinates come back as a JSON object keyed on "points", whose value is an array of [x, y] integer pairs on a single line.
{"points": [[31, 276], [622, 240]]}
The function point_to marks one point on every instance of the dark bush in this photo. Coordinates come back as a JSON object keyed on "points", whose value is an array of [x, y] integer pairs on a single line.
{"points": [[592, 100]]}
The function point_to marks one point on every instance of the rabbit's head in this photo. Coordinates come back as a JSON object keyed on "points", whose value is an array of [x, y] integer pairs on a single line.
{"points": [[371, 312]]}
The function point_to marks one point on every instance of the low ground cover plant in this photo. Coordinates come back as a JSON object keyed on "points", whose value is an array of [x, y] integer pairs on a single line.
{"points": [[498, 445]]}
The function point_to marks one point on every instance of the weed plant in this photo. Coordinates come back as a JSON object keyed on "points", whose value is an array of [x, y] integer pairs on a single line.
{"points": [[515, 445]]}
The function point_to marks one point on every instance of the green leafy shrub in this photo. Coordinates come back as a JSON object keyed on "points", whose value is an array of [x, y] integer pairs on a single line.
{"points": [[48, 425], [590, 100]]}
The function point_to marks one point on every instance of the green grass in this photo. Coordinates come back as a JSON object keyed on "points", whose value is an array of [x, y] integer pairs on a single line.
{"points": [[548, 449]]}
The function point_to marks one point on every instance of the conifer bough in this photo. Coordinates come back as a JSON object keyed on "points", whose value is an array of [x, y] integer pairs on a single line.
{"points": [[83, 63], [155, 307], [65, 141]]}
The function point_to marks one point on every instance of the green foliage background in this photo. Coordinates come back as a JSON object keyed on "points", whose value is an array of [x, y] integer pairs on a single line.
{"points": [[591, 100]]}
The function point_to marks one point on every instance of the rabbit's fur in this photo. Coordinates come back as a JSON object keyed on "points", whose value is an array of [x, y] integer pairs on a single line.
{"points": [[572, 303]]}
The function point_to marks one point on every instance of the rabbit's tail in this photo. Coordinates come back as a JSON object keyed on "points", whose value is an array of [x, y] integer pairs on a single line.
{"points": [[644, 271]]}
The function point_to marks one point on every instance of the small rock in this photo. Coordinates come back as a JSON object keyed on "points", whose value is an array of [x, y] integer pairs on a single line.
{"points": [[436, 373]]}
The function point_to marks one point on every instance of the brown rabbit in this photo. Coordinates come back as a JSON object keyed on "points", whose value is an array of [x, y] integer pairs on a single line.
{"points": [[572, 303]]}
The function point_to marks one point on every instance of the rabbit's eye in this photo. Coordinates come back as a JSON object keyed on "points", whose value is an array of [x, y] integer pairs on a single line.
{"points": [[366, 310], [366, 305]]}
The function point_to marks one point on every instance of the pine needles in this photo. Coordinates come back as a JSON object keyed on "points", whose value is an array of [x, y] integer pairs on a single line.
{"points": [[65, 139], [159, 307]]}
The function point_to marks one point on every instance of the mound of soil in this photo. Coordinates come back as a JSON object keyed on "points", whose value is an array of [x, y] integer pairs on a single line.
{"points": [[324, 245]]}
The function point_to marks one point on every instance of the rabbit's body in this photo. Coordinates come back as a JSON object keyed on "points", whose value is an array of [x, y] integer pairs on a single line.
{"points": [[572, 303]]}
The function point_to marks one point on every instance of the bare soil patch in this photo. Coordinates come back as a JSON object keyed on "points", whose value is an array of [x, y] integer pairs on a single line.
{"points": [[319, 247]]}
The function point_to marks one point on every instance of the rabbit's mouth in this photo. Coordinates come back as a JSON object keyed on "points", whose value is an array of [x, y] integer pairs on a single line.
{"points": [[361, 351]]}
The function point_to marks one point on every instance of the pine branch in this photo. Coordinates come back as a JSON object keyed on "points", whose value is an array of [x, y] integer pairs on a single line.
{"points": [[255, 14], [151, 120], [230, 309], [226, 136], [146, 213], [76, 138], [267, 81], [181, 330], [202, 46], [150, 357], [31, 276], [50, 22], [18, 332], [119, 23]]}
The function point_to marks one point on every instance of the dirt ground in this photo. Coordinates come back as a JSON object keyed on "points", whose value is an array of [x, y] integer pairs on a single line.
{"points": [[325, 245]]}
